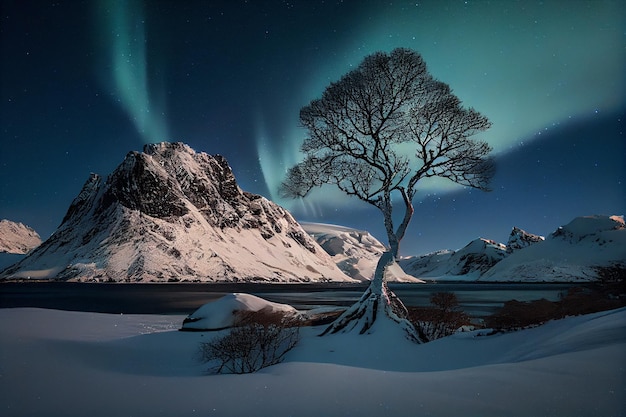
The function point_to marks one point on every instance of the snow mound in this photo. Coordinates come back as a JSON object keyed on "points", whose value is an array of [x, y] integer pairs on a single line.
{"points": [[221, 313]]}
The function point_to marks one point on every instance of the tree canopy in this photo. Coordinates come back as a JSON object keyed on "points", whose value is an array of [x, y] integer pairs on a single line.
{"points": [[385, 126]]}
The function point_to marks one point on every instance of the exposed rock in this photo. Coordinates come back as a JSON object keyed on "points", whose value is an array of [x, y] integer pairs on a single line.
{"points": [[171, 214], [520, 239]]}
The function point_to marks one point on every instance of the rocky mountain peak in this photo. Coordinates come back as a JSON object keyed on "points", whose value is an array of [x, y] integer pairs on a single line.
{"points": [[519, 239], [170, 213]]}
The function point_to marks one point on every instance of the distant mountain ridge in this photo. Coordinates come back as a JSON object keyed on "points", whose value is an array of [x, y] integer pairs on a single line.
{"points": [[583, 250], [171, 214], [356, 252]]}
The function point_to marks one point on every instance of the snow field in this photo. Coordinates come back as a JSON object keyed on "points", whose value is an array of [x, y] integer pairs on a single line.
{"points": [[59, 363]]}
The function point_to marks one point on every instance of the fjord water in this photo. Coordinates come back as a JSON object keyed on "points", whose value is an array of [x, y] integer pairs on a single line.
{"points": [[476, 299]]}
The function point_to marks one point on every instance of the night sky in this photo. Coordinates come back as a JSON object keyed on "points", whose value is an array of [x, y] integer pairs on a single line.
{"points": [[84, 82]]}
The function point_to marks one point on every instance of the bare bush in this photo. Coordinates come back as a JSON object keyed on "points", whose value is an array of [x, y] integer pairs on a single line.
{"points": [[517, 314], [258, 340], [441, 319]]}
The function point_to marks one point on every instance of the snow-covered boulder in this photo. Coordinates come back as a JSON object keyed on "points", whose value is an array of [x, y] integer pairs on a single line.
{"points": [[222, 313]]}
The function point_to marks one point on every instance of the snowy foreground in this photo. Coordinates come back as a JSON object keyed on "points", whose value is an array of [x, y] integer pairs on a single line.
{"points": [[59, 363]]}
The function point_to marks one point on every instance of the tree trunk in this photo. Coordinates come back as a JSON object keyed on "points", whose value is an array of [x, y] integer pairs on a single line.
{"points": [[378, 302]]}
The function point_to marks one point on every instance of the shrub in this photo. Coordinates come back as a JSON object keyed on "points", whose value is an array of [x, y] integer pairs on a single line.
{"points": [[517, 314], [258, 340], [442, 319]]}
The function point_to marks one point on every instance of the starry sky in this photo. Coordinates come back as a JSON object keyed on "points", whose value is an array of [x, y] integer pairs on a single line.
{"points": [[84, 82]]}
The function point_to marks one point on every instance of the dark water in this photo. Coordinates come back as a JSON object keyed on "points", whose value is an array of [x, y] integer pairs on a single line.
{"points": [[476, 299]]}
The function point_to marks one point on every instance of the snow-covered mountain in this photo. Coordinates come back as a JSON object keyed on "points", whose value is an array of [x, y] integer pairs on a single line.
{"points": [[17, 238], [519, 239], [469, 262], [579, 250], [356, 252], [584, 249], [170, 214]]}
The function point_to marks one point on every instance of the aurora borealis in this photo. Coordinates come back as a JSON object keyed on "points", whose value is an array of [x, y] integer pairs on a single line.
{"points": [[122, 28], [84, 82]]}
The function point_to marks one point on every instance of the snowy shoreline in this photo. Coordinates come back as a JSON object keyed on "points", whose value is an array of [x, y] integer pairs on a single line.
{"points": [[60, 363]]}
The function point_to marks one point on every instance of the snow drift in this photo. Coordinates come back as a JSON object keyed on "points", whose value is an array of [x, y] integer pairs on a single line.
{"points": [[59, 363]]}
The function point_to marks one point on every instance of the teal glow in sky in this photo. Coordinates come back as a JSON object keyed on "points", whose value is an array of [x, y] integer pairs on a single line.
{"points": [[527, 66], [83, 83], [124, 68]]}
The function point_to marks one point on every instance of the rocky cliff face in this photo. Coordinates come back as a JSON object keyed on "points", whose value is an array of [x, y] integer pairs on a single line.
{"points": [[17, 238], [520, 239], [171, 214]]}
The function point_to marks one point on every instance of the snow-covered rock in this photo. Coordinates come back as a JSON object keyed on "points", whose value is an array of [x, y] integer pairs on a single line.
{"points": [[574, 252], [171, 214], [356, 252], [221, 313], [519, 239], [17, 238]]}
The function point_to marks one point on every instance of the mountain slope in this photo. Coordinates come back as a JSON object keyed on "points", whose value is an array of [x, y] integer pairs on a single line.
{"points": [[468, 262], [171, 214], [17, 238], [577, 251], [583, 250], [356, 252]]}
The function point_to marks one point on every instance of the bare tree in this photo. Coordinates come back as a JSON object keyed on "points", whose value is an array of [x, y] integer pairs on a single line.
{"points": [[375, 134]]}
